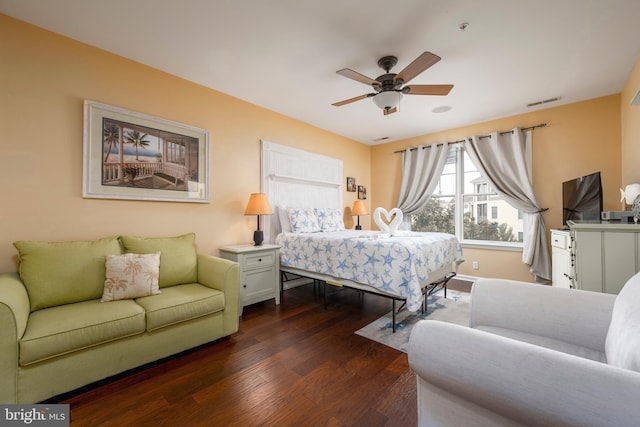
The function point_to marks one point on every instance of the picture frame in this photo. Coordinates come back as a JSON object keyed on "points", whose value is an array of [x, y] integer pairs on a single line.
{"points": [[362, 192], [351, 184], [136, 156]]}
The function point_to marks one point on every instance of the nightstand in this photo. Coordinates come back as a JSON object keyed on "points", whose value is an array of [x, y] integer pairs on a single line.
{"points": [[259, 271]]}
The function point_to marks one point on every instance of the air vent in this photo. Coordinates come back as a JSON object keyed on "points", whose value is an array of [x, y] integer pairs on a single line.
{"points": [[636, 99], [546, 101], [384, 138]]}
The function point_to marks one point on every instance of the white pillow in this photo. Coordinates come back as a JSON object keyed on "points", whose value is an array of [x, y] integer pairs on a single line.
{"points": [[283, 216], [131, 276], [303, 220], [622, 346], [330, 219]]}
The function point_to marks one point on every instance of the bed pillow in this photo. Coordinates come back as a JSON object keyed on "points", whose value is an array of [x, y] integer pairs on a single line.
{"points": [[330, 219], [131, 276], [283, 216], [303, 220], [178, 258]]}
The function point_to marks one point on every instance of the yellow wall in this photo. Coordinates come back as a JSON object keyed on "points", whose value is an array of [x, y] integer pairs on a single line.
{"points": [[579, 139], [44, 79], [631, 129]]}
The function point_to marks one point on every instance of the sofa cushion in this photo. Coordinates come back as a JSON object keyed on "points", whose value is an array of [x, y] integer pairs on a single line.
{"points": [[64, 272], [180, 303], [178, 259], [60, 330], [622, 346], [131, 276]]}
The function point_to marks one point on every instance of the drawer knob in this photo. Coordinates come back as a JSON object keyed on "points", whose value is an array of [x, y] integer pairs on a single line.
{"points": [[259, 259]]}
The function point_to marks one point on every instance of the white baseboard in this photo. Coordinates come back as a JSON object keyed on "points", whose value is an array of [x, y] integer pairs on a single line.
{"points": [[467, 278], [294, 283]]}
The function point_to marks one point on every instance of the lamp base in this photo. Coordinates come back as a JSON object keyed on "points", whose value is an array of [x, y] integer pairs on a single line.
{"points": [[258, 237], [358, 227]]}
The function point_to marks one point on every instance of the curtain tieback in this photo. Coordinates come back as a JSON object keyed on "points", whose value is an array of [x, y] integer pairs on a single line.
{"points": [[542, 210]]}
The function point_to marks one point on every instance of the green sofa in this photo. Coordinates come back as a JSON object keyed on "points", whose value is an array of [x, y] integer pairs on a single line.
{"points": [[58, 333]]}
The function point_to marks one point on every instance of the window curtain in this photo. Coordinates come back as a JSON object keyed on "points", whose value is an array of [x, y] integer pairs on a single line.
{"points": [[505, 160], [421, 170]]}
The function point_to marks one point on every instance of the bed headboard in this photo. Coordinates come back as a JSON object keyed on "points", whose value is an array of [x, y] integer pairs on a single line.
{"points": [[297, 178]]}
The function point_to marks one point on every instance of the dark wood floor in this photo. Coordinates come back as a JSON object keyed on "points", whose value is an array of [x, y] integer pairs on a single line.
{"points": [[295, 364]]}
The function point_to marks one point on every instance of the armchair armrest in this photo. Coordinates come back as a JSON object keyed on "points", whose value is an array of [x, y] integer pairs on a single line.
{"points": [[520, 381], [570, 315], [223, 275], [14, 313]]}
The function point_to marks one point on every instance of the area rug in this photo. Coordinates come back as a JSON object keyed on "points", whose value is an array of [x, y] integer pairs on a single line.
{"points": [[453, 309]]}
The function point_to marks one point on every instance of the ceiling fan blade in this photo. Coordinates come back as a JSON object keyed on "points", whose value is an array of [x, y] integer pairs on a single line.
{"points": [[427, 89], [421, 63], [390, 111], [346, 72], [350, 100]]}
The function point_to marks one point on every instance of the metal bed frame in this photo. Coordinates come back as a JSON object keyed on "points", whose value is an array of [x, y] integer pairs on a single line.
{"points": [[428, 290]]}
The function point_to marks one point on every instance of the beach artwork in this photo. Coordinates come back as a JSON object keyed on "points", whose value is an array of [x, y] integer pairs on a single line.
{"points": [[140, 156], [135, 156]]}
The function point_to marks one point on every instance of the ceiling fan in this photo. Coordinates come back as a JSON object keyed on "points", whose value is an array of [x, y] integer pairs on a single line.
{"points": [[389, 86]]}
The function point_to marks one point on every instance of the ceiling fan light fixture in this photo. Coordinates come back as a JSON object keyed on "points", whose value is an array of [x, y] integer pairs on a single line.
{"points": [[387, 100]]}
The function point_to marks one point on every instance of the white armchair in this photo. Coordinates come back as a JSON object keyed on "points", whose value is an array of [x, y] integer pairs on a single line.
{"points": [[534, 355]]}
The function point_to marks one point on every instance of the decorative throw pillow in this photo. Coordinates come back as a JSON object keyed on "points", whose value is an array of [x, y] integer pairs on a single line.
{"points": [[131, 276], [330, 219], [303, 220], [178, 259], [622, 346]]}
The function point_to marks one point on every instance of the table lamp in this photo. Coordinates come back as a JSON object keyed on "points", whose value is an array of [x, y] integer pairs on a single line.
{"points": [[258, 205], [359, 208]]}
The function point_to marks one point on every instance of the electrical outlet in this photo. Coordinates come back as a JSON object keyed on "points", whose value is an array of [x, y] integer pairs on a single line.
{"points": [[475, 265]]}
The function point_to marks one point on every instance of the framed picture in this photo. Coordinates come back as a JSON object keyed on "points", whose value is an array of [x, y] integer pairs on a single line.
{"points": [[130, 155], [362, 192], [351, 184]]}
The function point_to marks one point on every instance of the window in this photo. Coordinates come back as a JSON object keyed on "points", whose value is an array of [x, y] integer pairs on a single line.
{"points": [[461, 204]]}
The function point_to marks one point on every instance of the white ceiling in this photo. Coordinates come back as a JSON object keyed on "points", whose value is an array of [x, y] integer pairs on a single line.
{"points": [[283, 54]]}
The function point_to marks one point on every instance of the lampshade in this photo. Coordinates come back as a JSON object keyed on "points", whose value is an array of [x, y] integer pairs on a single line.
{"points": [[258, 205], [359, 208], [388, 99]]}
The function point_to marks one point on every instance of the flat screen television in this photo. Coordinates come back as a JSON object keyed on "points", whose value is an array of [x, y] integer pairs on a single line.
{"points": [[582, 198]]}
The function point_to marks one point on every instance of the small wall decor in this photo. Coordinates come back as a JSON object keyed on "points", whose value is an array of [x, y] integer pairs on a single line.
{"points": [[130, 155], [362, 192], [351, 184]]}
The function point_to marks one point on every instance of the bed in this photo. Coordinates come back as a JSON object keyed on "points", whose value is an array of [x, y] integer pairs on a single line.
{"points": [[308, 187]]}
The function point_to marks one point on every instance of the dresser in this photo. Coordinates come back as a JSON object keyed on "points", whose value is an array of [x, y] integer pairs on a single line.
{"points": [[259, 271], [562, 266], [603, 255]]}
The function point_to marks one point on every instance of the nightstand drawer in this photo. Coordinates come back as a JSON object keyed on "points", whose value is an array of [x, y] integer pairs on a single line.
{"points": [[266, 259], [559, 240]]}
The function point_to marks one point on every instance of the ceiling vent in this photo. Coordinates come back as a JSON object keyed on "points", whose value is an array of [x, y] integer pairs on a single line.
{"points": [[384, 138], [546, 101], [636, 99]]}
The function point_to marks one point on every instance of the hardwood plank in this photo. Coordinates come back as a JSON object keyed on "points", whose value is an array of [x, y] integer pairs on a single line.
{"points": [[292, 364]]}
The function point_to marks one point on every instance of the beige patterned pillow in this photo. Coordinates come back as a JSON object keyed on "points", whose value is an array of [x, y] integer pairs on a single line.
{"points": [[131, 276]]}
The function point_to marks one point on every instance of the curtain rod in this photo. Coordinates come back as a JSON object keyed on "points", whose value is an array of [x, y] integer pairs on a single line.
{"points": [[541, 125]]}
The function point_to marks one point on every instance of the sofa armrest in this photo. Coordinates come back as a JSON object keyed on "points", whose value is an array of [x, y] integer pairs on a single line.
{"points": [[14, 313], [570, 315], [223, 275], [520, 381]]}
